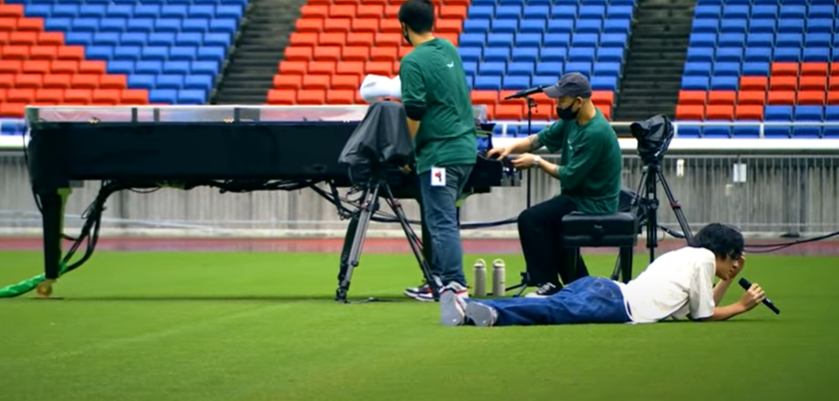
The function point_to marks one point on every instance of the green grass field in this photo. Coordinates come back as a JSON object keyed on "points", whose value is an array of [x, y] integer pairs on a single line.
{"points": [[250, 326]]}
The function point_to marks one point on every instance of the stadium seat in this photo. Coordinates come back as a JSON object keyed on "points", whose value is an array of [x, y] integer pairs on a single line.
{"points": [[122, 51], [506, 46], [780, 54]]}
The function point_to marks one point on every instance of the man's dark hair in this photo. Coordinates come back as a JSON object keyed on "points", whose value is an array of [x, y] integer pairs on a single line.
{"points": [[417, 15], [723, 240]]}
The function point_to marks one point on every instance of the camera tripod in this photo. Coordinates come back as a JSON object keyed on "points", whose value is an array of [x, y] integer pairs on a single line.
{"points": [[649, 212], [377, 187]]}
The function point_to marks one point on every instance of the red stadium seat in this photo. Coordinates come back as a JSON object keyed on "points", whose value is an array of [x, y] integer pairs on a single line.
{"points": [[342, 11], [508, 112], [721, 98], [20, 95], [11, 10], [757, 83], [690, 112], [384, 53], [378, 68], [12, 109], [281, 97], [319, 81], [321, 67], [78, 96], [54, 96], [44, 52], [29, 80], [484, 97], [817, 69], [754, 97], [23, 38], [85, 81], [813, 97], [353, 53], [51, 38], [109, 97], [692, 97], [390, 26], [351, 82], [779, 83], [312, 11], [749, 112], [720, 112], [30, 24], [298, 53], [65, 66], [350, 68], [782, 97], [309, 25], [303, 39], [784, 69], [833, 97], [55, 80], [376, 11], [113, 81], [812, 83], [337, 25], [332, 39], [292, 82], [71, 53], [340, 96], [311, 97], [455, 11], [293, 67], [331, 53], [365, 25]]}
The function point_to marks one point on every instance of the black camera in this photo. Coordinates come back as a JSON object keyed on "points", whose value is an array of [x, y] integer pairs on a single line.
{"points": [[654, 136]]}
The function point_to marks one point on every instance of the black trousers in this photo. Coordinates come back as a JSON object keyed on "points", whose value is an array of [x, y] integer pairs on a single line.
{"points": [[540, 235]]}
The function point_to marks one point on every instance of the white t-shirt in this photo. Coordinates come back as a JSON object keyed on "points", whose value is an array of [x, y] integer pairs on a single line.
{"points": [[677, 284]]}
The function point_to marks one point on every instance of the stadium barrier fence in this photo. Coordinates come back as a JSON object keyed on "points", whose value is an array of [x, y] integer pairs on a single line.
{"points": [[767, 187]]}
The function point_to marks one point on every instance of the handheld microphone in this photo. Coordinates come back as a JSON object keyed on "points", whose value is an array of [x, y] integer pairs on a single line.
{"points": [[526, 92], [746, 285]]}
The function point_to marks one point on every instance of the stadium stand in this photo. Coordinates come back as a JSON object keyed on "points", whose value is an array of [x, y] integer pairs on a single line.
{"points": [[112, 51], [506, 46], [762, 61]]}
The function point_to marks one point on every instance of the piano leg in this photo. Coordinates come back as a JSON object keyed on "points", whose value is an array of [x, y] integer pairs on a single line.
{"points": [[52, 204]]}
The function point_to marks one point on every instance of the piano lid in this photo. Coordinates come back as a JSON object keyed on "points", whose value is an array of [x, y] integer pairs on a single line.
{"points": [[209, 114]]}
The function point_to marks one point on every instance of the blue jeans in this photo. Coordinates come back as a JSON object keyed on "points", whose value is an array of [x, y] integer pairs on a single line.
{"points": [[439, 208], [586, 300]]}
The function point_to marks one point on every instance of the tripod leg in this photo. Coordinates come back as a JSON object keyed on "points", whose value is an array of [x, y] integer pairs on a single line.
{"points": [[677, 209], [413, 240], [652, 214], [349, 240], [368, 207]]}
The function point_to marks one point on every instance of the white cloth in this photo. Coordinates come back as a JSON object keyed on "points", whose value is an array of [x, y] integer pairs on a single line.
{"points": [[376, 86], [677, 284]]}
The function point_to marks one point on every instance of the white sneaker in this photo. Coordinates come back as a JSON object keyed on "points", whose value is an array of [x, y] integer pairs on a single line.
{"points": [[480, 314], [543, 291], [452, 307]]}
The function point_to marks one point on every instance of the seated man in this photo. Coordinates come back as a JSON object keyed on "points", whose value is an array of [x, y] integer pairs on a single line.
{"points": [[676, 285], [589, 175]]}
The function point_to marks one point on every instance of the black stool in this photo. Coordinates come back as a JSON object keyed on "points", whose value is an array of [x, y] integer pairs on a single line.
{"points": [[619, 230]]}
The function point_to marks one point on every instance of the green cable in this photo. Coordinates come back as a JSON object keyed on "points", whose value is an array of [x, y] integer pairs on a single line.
{"points": [[27, 285]]}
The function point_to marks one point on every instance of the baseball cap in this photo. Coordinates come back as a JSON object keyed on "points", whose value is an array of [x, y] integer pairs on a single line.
{"points": [[572, 84]]}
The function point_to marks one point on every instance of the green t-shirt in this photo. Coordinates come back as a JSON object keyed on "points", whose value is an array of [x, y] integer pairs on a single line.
{"points": [[432, 78], [590, 164]]}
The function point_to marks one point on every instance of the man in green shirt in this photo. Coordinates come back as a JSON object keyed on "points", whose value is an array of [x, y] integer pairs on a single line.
{"points": [[589, 174], [441, 122]]}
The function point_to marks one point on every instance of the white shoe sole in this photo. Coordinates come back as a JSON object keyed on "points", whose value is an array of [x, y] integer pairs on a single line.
{"points": [[451, 312], [482, 315]]}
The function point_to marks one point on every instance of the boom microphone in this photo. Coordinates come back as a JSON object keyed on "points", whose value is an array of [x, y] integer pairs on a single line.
{"points": [[746, 285], [526, 92]]}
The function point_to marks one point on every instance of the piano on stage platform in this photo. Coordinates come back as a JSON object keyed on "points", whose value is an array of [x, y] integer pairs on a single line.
{"points": [[234, 148]]}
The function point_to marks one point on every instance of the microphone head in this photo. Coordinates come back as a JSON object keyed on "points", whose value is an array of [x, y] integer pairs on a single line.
{"points": [[744, 283]]}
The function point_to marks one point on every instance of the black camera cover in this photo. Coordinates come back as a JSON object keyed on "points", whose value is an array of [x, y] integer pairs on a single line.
{"points": [[653, 137]]}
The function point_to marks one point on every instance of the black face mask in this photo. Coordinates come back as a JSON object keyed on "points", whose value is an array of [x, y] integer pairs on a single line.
{"points": [[567, 114]]}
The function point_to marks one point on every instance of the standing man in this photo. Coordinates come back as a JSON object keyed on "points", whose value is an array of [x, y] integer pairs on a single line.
{"points": [[441, 122], [589, 174]]}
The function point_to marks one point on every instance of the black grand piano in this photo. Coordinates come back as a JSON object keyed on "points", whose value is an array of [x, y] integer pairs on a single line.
{"points": [[234, 148]]}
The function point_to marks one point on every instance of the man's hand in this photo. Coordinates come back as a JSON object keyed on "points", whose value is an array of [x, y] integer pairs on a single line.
{"points": [[405, 169], [524, 161], [752, 297], [501, 151]]}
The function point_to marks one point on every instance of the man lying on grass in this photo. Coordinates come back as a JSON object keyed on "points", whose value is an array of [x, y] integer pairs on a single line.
{"points": [[678, 284]]}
